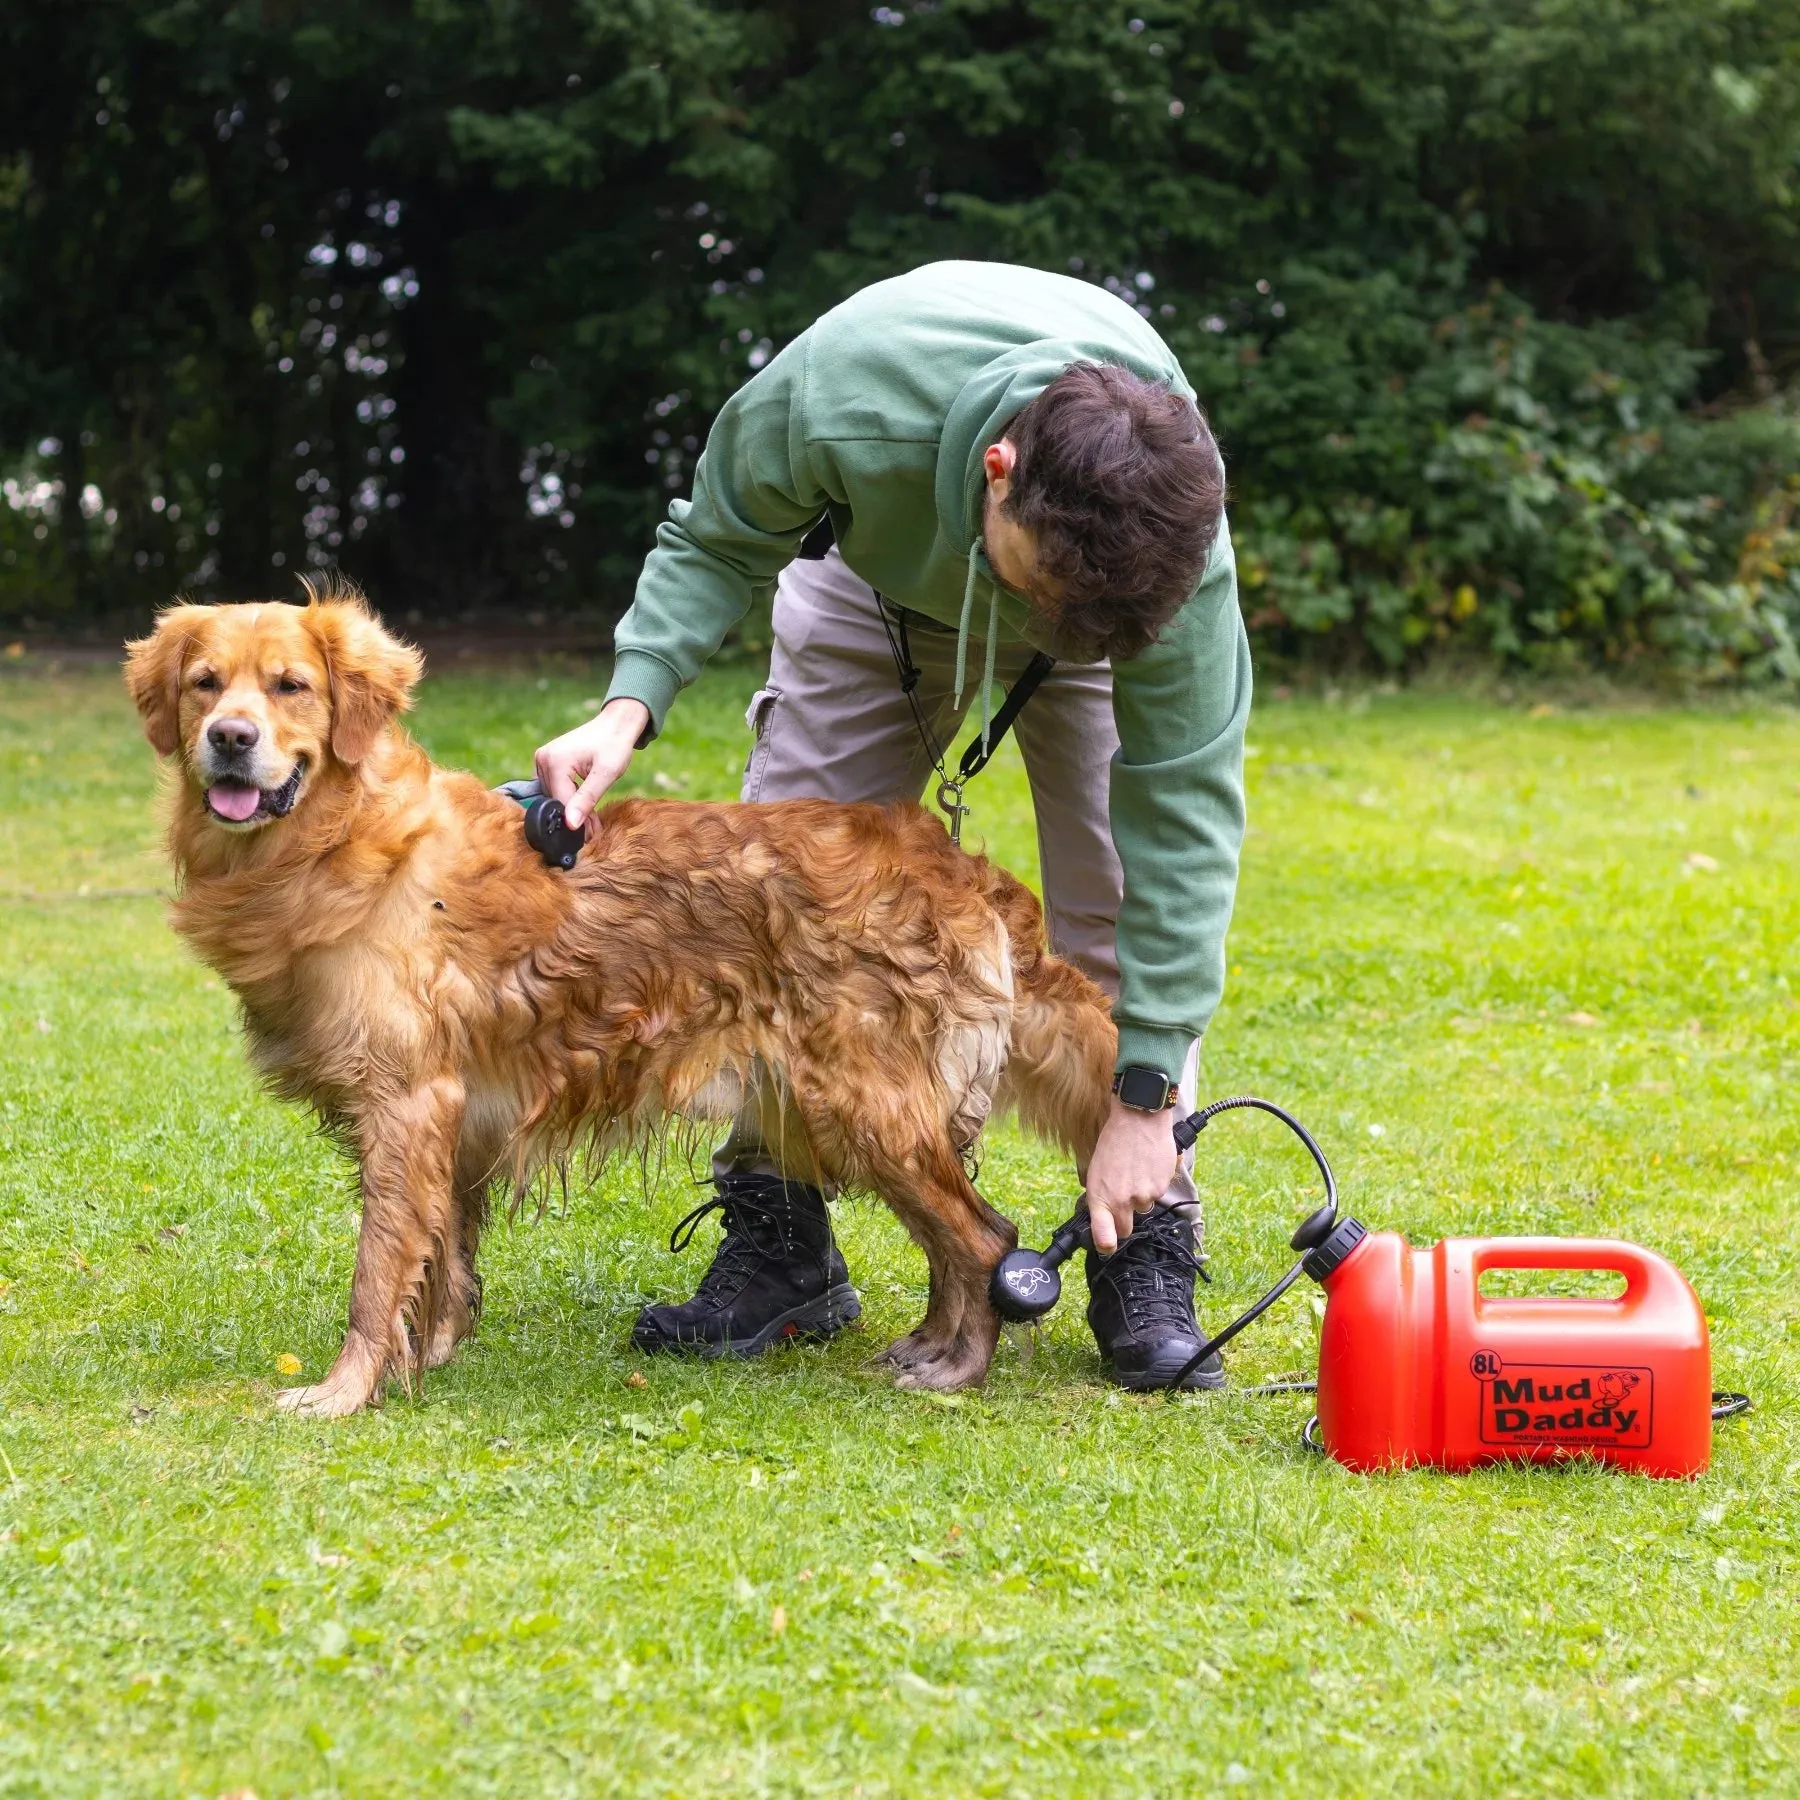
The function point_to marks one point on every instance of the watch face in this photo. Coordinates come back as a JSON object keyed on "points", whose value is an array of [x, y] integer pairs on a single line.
{"points": [[1147, 1090]]}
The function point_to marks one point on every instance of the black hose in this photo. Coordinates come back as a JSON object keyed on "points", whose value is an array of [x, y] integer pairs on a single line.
{"points": [[1191, 1127], [1185, 1133]]}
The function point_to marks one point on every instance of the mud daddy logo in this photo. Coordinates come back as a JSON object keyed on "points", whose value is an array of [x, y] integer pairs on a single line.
{"points": [[1563, 1403]]}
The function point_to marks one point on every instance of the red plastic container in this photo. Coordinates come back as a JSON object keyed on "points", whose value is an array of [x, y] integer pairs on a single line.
{"points": [[1418, 1366]]}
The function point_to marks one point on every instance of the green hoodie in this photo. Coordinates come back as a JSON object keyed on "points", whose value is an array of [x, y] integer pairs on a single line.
{"points": [[879, 415]]}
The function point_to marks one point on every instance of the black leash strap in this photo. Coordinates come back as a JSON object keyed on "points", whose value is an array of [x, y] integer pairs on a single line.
{"points": [[975, 758], [980, 751]]}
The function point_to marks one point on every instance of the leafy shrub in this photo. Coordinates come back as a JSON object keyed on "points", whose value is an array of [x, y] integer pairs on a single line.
{"points": [[1420, 477]]}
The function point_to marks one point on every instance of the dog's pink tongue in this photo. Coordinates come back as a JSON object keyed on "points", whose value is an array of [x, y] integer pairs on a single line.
{"points": [[233, 800]]}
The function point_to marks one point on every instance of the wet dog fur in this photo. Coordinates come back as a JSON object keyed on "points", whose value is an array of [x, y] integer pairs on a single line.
{"points": [[461, 1016]]}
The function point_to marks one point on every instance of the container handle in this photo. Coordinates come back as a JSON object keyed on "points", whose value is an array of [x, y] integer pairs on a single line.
{"points": [[1641, 1268]]}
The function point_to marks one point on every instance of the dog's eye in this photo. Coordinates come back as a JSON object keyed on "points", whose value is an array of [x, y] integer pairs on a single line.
{"points": [[290, 684], [207, 684]]}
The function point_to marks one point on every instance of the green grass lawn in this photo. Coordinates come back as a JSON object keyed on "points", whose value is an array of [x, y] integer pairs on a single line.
{"points": [[1519, 972]]}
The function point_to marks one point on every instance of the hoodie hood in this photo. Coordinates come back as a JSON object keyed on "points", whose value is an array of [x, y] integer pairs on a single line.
{"points": [[987, 403]]}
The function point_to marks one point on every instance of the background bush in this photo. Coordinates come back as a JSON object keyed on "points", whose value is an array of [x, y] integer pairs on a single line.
{"points": [[1495, 303]]}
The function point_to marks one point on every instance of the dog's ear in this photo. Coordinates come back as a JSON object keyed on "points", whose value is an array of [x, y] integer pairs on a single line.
{"points": [[153, 673], [373, 674]]}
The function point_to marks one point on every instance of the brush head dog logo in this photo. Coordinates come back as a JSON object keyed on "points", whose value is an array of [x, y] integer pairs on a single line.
{"points": [[1028, 1283]]}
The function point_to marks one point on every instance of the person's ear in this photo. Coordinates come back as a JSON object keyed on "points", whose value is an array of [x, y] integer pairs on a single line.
{"points": [[153, 667], [372, 672], [997, 462]]}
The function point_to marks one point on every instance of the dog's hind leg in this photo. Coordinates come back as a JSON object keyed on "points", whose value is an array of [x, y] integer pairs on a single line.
{"points": [[408, 1153], [963, 1238], [1058, 1076]]}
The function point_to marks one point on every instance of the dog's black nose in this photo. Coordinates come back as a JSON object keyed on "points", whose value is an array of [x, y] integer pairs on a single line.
{"points": [[231, 736]]}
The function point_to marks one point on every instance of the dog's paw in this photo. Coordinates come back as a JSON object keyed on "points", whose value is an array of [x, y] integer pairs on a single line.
{"points": [[941, 1367], [944, 1375], [324, 1400], [904, 1352]]}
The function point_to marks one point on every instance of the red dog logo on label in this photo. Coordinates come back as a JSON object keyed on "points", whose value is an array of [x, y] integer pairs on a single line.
{"points": [[1563, 1403]]}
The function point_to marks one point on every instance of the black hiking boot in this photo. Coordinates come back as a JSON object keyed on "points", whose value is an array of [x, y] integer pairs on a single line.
{"points": [[1141, 1306], [776, 1274]]}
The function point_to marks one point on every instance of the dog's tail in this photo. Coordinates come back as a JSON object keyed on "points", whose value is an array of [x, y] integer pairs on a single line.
{"points": [[1058, 1077]]}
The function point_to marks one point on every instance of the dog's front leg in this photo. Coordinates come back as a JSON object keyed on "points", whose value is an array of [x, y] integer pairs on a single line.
{"points": [[460, 1303], [407, 1144]]}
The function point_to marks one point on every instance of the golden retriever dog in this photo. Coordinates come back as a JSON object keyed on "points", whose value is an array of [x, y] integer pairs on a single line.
{"points": [[458, 1014]]}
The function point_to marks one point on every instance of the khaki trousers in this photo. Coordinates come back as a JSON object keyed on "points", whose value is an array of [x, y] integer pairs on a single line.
{"points": [[833, 724]]}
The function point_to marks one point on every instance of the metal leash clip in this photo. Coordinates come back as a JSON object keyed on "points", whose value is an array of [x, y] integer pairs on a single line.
{"points": [[950, 803]]}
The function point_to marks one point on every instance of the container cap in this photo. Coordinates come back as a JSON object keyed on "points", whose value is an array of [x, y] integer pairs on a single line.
{"points": [[1325, 1260]]}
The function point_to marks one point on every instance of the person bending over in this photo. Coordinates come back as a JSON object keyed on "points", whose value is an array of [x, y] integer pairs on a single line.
{"points": [[1007, 461]]}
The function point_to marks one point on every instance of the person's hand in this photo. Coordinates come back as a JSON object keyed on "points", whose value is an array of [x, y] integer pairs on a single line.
{"points": [[1133, 1164], [578, 767]]}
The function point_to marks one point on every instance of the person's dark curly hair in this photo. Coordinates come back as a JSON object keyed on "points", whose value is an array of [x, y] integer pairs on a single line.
{"points": [[1123, 486]]}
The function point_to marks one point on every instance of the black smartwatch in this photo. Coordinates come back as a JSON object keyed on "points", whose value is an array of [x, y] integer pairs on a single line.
{"points": [[1144, 1090]]}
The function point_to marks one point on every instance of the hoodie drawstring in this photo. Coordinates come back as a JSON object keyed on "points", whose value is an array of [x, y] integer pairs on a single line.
{"points": [[993, 638]]}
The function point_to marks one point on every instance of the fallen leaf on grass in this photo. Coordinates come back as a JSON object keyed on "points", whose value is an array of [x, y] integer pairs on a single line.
{"points": [[79, 1262], [1583, 1019], [636, 1379], [174, 1233], [778, 1620], [1542, 710], [287, 1363], [140, 1414], [14, 651], [919, 1685], [1698, 859]]}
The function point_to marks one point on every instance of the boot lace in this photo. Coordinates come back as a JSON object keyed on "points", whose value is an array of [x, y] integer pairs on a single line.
{"points": [[1153, 1274], [755, 1233]]}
